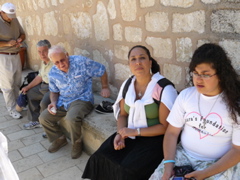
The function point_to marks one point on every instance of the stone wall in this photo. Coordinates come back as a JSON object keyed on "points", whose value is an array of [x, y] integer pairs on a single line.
{"points": [[105, 30]]}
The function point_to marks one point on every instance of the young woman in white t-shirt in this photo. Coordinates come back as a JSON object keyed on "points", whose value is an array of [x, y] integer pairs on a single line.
{"points": [[208, 117]]}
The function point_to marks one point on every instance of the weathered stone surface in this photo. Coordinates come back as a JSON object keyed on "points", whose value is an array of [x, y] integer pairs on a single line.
{"points": [[111, 9], [121, 52], [202, 41], [38, 25], [54, 2], [81, 24], [35, 6], [66, 20], [178, 3], [100, 20], [128, 9], [41, 3], [97, 56], [211, 1], [133, 34], [232, 48], [226, 21], [189, 22], [122, 72], [117, 32], [67, 46], [50, 24], [184, 49], [161, 47], [157, 21], [172, 72], [146, 3], [47, 3], [29, 25], [78, 51]]}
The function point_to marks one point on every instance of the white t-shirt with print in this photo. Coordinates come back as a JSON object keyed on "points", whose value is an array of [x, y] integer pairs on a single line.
{"points": [[207, 135]]}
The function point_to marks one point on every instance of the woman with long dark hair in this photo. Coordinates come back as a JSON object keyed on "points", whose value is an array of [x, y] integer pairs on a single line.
{"points": [[135, 150], [208, 115]]}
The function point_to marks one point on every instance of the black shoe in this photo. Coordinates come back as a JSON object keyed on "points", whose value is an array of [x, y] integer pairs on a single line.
{"points": [[44, 135], [104, 107]]}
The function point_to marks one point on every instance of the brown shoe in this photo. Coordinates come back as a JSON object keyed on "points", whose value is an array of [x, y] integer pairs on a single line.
{"points": [[57, 144], [76, 150]]}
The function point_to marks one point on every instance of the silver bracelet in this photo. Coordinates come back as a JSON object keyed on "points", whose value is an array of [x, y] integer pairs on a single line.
{"points": [[139, 132]]}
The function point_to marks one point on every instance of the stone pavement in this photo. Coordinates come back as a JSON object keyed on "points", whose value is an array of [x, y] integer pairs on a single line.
{"points": [[28, 152]]}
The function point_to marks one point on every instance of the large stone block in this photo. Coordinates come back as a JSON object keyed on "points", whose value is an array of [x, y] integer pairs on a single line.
{"points": [[117, 32], [177, 3], [157, 21], [81, 24], [101, 26], [211, 1], [184, 49], [232, 48], [147, 3], [50, 24], [227, 21], [128, 9], [121, 52], [172, 72], [161, 47], [122, 72], [191, 22], [133, 34], [112, 9]]}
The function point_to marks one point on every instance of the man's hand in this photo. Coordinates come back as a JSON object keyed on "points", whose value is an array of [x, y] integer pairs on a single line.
{"points": [[24, 89], [12, 43], [105, 92], [50, 110]]}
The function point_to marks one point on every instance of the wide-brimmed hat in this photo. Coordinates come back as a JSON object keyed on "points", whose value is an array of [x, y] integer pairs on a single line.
{"points": [[9, 9]]}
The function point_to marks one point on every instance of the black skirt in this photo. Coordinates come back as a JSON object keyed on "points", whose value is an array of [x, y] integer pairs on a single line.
{"points": [[137, 161]]}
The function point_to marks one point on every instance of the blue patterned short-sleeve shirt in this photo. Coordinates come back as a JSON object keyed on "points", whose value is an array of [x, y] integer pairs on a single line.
{"points": [[76, 84]]}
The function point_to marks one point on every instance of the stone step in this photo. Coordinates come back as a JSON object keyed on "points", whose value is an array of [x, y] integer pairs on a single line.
{"points": [[97, 127]]}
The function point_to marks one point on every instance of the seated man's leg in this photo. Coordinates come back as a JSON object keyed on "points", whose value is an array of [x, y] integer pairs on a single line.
{"points": [[34, 98], [75, 114], [45, 101], [52, 128]]}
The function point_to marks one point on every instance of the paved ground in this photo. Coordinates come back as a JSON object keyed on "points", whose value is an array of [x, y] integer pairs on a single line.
{"points": [[28, 152]]}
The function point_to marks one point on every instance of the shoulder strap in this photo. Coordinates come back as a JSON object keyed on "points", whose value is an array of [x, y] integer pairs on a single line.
{"points": [[163, 83], [125, 89]]}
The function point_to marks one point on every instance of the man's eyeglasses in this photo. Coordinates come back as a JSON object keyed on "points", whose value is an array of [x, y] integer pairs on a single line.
{"points": [[202, 76]]}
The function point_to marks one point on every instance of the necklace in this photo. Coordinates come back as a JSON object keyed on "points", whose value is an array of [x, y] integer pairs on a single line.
{"points": [[140, 94], [202, 118]]}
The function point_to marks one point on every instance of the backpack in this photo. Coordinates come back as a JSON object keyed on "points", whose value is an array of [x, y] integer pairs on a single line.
{"points": [[162, 83], [29, 78]]}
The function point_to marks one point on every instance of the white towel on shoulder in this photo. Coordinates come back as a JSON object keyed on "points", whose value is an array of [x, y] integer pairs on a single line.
{"points": [[137, 114]]}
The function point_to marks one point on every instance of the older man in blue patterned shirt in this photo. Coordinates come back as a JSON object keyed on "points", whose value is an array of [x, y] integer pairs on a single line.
{"points": [[70, 84]]}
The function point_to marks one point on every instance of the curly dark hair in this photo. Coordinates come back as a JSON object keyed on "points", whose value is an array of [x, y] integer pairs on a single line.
{"points": [[155, 66], [228, 78]]}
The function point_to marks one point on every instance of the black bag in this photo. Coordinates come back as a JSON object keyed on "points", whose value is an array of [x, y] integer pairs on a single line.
{"points": [[29, 78]]}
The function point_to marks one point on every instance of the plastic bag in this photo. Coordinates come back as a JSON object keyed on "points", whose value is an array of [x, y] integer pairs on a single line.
{"points": [[7, 171]]}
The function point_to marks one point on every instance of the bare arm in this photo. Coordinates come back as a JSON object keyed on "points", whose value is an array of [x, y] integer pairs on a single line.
{"points": [[121, 124], [105, 89], [54, 99], [230, 159], [169, 149], [37, 80], [13, 42]]}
